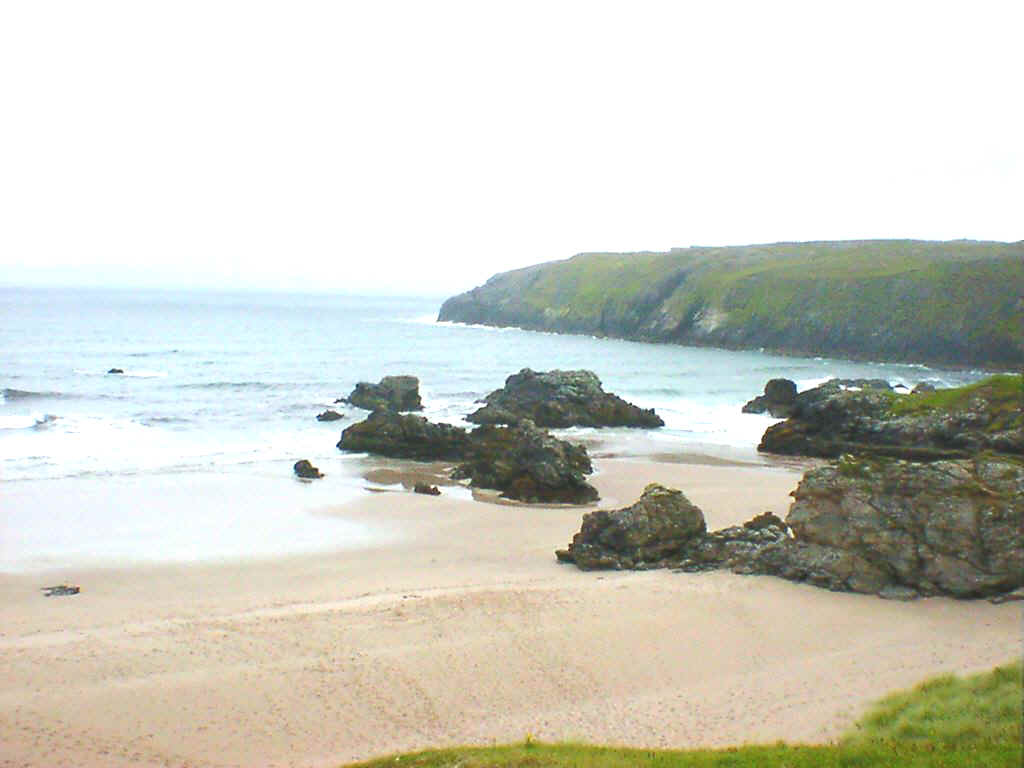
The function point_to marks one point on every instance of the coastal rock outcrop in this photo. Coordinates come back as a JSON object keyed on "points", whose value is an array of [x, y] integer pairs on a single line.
{"points": [[329, 415], [944, 527], [405, 436], [528, 464], [838, 418], [655, 530], [558, 399], [396, 393], [777, 400], [307, 471], [522, 461], [898, 529]]}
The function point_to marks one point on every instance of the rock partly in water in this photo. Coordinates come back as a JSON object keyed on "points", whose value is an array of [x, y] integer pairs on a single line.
{"points": [[558, 399], [777, 400], [838, 418], [116, 370], [396, 393], [329, 415], [527, 464], [426, 489], [306, 470], [653, 532], [405, 436]]}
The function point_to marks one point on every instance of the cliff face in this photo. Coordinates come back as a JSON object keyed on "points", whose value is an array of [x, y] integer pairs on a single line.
{"points": [[955, 303]]}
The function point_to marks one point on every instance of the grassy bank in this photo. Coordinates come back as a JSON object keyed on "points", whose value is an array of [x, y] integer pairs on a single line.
{"points": [[947, 722]]}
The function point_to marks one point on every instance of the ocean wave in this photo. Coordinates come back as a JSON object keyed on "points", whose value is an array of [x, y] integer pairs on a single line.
{"points": [[23, 394], [163, 420], [153, 354], [231, 385], [31, 421]]}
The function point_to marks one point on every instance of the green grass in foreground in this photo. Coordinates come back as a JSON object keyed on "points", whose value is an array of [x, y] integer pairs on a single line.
{"points": [[947, 722]]}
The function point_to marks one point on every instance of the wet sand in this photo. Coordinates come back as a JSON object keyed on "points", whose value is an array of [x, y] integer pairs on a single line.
{"points": [[459, 627]]}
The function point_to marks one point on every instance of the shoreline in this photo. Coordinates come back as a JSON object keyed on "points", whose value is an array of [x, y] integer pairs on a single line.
{"points": [[461, 629]]}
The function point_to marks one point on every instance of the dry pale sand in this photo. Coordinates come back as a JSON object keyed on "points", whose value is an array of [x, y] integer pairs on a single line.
{"points": [[460, 629]]}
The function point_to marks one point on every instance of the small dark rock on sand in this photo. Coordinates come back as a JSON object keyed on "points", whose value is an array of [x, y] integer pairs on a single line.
{"points": [[429, 490], [61, 589]]}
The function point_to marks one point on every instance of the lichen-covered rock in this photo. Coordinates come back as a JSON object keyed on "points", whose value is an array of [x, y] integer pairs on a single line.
{"points": [[892, 528], [655, 530], [528, 464], [835, 419], [557, 399], [945, 527], [396, 393], [405, 436]]}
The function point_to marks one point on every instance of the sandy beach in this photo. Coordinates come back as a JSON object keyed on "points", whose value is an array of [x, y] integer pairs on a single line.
{"points": [[460, 627]]}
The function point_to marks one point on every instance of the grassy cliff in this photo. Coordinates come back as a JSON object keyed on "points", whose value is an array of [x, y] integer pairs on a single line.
{"points": [[955, 303]]}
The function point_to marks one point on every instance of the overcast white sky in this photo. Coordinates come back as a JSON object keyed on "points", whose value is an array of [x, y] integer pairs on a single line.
{"points": [[419, 147]]}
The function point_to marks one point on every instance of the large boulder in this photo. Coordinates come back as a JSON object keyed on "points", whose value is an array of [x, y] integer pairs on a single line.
{"points": [[840, 417], [945, 527], [653, 532], [558, 399], [405, 436], [396, 393], [777, 400], [893, 528], [528, 464]]}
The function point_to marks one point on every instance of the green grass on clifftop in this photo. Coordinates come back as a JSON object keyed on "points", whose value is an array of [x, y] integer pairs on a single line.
{"points": [[947, 722], [1003, 398]]}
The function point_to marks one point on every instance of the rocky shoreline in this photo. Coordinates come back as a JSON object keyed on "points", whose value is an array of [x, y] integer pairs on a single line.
{"points": [[924, 494]]}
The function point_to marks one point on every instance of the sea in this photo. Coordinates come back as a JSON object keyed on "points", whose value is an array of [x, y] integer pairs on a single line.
{"points": [[187, 455]]}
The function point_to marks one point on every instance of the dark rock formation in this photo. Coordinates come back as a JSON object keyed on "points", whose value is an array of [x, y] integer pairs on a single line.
{"points": [[405, 436], [527, 464], [893, 528], [836, 418], [655, 529], [426, 489], [396, 393], [523, 462], [116, 370], [329, 415], [306, 470], [557, 399], [777, 400]]}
